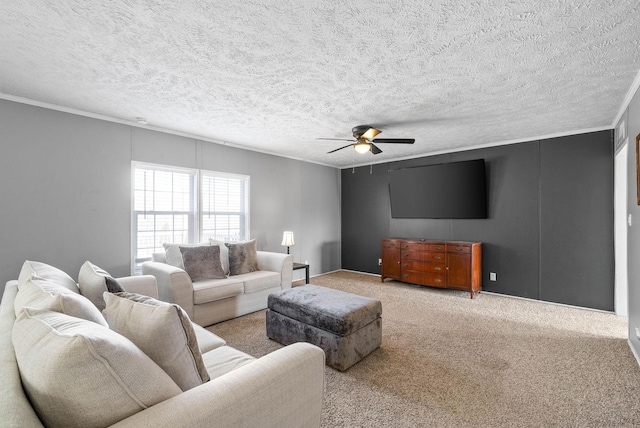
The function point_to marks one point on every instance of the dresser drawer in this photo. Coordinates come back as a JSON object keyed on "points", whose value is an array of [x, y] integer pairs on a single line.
{"points": [[416, 265], [391, 243], [464, 249], [413, 277], [435, 247], [412, 255], [434, 279], [413, 245], [434, 257], [434, 267]]}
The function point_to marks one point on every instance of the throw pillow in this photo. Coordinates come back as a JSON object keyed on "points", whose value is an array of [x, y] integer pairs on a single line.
{"points": [[174, 255], [45, 271], [43, 294], [243, 257], [94, 281], [161, 330], [202, 262], [79, 374], [224, 254]]}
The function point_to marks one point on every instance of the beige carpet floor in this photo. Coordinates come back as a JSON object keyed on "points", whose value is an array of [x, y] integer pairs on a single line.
{"points": [[494, 361]]}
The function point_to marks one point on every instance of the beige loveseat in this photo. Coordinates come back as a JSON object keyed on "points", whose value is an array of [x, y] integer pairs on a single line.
{"points": [[213, 300], [57, 369]]}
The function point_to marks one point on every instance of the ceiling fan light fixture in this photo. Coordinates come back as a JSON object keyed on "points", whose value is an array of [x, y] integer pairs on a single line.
{"points": [[362, 147]]}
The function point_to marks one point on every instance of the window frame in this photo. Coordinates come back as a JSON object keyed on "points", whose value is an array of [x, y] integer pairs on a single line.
{"points": [[192, 213], [195, 228]]}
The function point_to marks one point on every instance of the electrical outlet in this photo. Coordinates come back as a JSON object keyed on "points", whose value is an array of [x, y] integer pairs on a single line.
{"points": [[306, 262], [638, 333], [493, 276], [379, 262]]}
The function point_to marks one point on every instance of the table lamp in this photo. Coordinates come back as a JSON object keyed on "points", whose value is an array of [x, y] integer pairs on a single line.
{"points": [[287, 240]]}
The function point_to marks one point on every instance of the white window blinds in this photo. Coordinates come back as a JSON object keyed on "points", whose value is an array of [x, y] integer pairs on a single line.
{"points": [[224, 208]]}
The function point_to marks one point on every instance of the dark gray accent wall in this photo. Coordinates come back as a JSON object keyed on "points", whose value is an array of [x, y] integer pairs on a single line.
{"points": [[576, 206], [538, 193], [65, 187]]}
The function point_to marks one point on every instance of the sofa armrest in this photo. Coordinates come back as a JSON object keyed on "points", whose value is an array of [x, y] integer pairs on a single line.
{"points": [[141, 284], [174, 284], [249, 396], [277, 262]]}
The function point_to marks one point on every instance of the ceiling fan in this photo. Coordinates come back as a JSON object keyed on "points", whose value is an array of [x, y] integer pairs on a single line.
{"points": [[364, 138]]}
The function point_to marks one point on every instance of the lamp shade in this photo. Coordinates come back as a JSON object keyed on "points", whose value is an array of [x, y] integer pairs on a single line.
{"points": [[287, 239]]}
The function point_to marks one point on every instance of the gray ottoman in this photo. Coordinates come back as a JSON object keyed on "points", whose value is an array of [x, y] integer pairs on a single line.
{"points": [[346, 326]]}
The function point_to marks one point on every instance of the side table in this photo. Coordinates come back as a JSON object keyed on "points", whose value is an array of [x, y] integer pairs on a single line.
{"points": [[304, 266]]}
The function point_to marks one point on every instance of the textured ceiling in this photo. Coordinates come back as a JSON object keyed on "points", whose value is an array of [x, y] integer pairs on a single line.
{"points": [[273, 76]]}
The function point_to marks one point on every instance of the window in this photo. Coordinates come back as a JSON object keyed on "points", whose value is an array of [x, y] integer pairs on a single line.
{"points": [[225, 212], [167, 208]]}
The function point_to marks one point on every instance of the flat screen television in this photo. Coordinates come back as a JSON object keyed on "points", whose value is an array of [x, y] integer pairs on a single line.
{"points": [[448, 190]]}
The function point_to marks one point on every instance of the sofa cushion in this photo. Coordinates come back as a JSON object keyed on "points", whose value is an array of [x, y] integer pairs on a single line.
{"points": [[202, 262], [224, 254], [206, 339], [174, 255], [225, 359], [243, 257], [43, 294], [259, 280], [216, 289], [161, 330], [45, 271], [80, 374], [94, 281]]}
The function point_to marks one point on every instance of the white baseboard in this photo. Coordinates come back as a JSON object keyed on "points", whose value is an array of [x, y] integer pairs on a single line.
{"points": [[633, 351]]}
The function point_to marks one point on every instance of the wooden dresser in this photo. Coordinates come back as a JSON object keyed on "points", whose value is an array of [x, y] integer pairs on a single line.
{"points": [[444, 264]]}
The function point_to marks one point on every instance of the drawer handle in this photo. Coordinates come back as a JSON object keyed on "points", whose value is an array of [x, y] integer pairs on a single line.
{"points": [[438, 280], [406, 275], [438, 268], [438, 258], [438, 247], [458, 248], [405, 265]]}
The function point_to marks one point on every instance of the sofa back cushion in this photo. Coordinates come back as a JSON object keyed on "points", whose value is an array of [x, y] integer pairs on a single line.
{"points": [[173, 255], [78, 374], [224, 254], [161, 330], [45, 271], [94, 281], [43, 294]]}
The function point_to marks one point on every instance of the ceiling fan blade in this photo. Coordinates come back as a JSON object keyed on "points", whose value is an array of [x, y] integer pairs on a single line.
{"points": [[348, 145], [371, 133], [395, 140], [336, 139], [375, 149]]}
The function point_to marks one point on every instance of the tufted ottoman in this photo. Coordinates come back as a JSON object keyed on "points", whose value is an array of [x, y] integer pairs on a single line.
{"points": [[346, 326]]}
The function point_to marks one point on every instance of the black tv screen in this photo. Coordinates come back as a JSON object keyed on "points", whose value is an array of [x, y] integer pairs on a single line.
{"points": [[448, 190]]}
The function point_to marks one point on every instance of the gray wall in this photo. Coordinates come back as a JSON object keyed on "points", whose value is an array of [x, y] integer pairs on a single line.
{"points": [[65, 187], [632, 120], [549, 231]]}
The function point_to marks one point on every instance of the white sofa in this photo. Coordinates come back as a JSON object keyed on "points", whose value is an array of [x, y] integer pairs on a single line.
{"points": [[214, 300], [283, 388]]}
